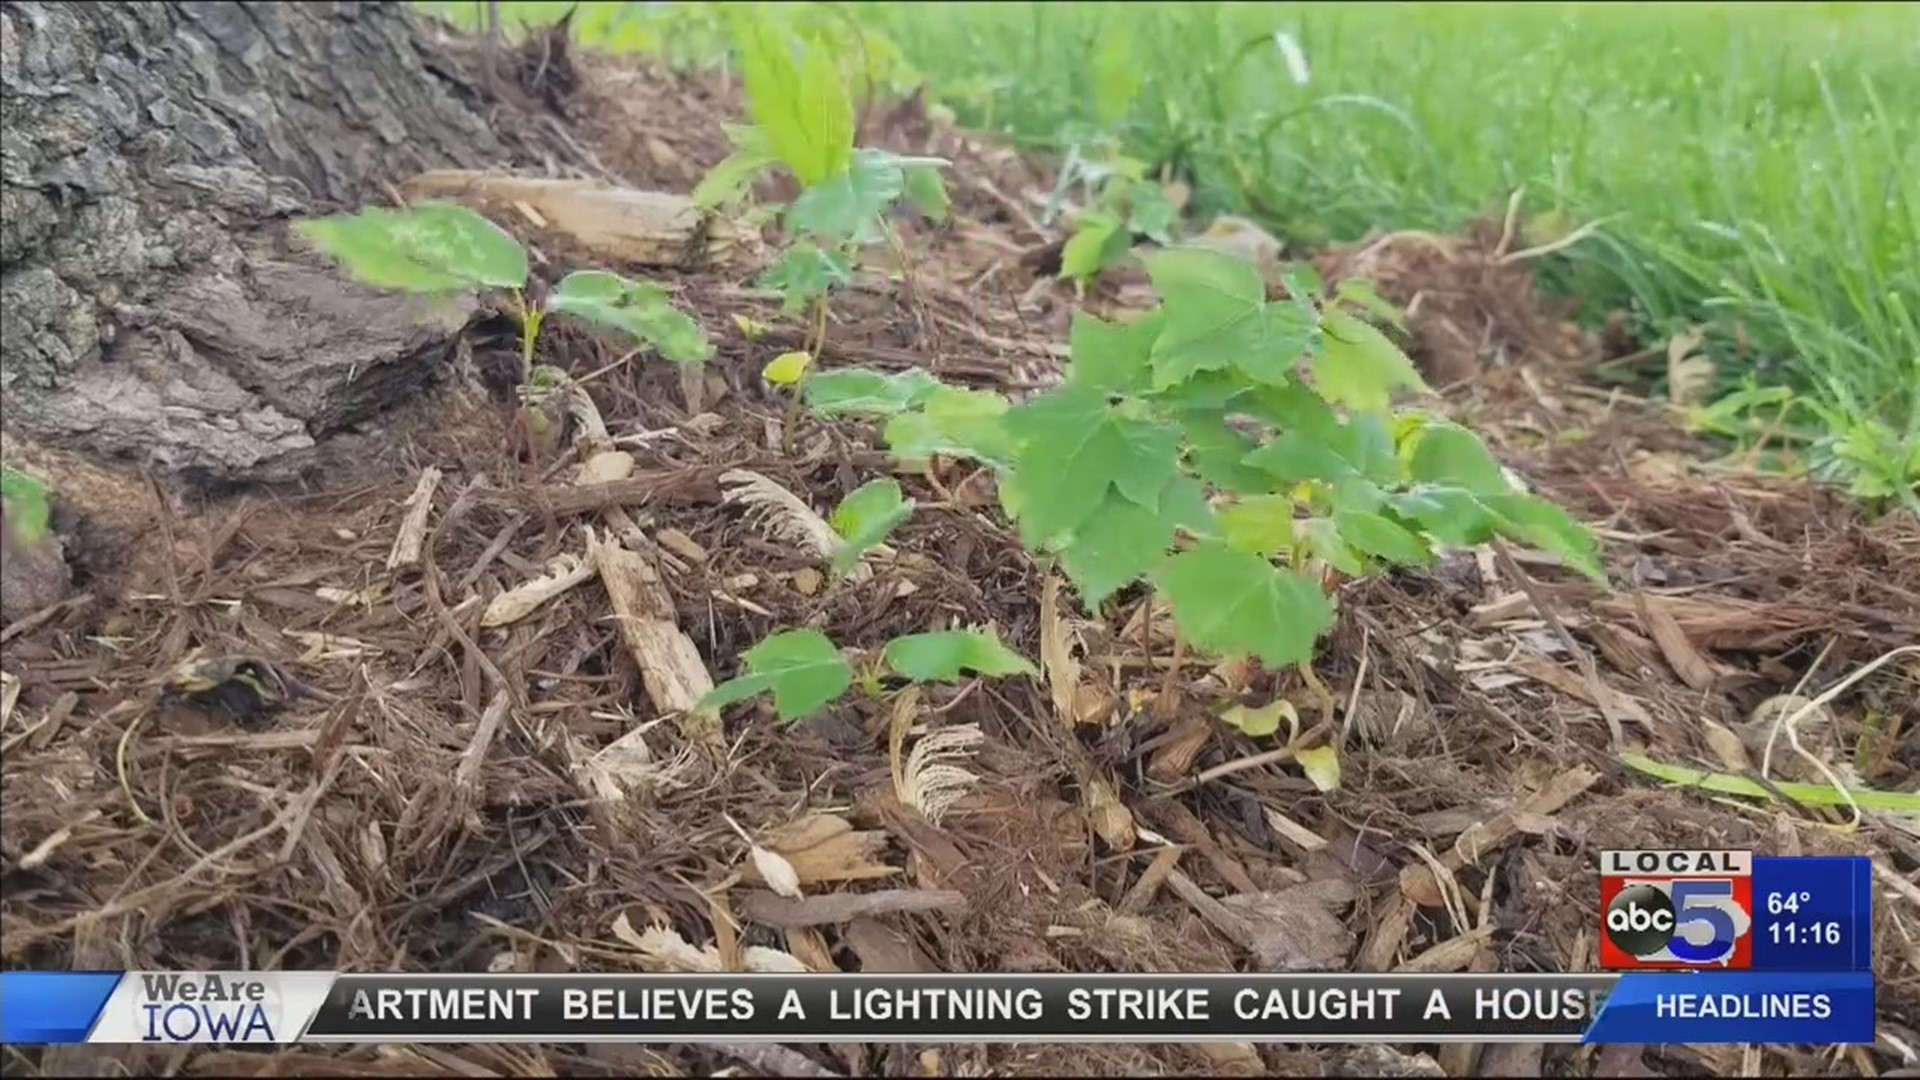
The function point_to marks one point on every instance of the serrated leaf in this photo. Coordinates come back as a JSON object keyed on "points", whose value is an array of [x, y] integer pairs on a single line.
{"points": [[1360, 293], [802, 106], [1184, 505], [1112, 356], [430, 247], [1230, 602], [863, 391], [1450, 455], [1116, 545], [1545, 526], [805, 273], [1264, 720], [1322, 766], [1073, 448], [1262, 524], [1451, 516], [753, 154], [635, 307], [945, 655], [1218, 453], [865, 517], [1216, 316], [849, 205], [927, 190], [787, 368], [1098, 241], [802, 669], [1381, 537], [1359, 367], [954, 422]]}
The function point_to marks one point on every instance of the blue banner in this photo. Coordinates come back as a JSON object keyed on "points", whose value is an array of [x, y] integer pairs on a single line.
{"points": [[52, 1006], [1813, 913], [1814, 1008]]}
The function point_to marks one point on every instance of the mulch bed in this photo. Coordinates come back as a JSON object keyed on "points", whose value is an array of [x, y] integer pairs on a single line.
{"points": [[447, 797]]}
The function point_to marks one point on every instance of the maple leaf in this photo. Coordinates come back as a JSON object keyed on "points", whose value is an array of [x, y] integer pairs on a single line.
{"points": [[1359, 367], [1234, 603], [860, 390], [864, 518], [802, 668], [1112, 548], [954, 422], [1114, 357], [1448, 454], [944, 655], [1074, 447], [1216, 316]]}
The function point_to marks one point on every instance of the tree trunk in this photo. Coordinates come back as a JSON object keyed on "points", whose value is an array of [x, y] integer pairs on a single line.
{"points": [[156, 312]]}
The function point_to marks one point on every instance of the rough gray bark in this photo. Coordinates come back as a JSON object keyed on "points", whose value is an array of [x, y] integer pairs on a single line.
{"points": [[151, 156]]}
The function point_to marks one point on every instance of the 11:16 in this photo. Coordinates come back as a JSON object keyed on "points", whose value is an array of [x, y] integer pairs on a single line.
{"points": [[1820, 933]]}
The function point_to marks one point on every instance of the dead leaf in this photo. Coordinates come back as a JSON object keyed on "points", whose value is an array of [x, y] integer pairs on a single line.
{"points": [[1728, 751], [1264, 720], [824, 848], [1690, 378], [1322, 766], [605, 467]]}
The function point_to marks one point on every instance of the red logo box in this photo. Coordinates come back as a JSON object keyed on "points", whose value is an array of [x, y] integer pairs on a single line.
{"points": [[1676, 910]]}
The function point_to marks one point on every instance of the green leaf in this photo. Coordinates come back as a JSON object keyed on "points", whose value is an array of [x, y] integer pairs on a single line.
{"points": [[1117, 74], [805, 273], [1315, 444], [1381, 537], [801, 667], [639, 309], [1263, 721], [864, 518], [1303, 282], [1111, 356], [1451, 516], [1112, 548], [1323, 539], [1360, 293], [1074, 447], [862, 391], [1260, 525], [1450, 455], [1547, 527], [956, 423], [24, 503], [1891, 802], [1149, 213], [849, 205], [802, 106], [927, 191], [429, 248], [1184, 505], [1358, 367], [944, 655], [753, 154], [1099, 240], [1235, 603], [1218, 453], [1321, 764], [1217, 316]]}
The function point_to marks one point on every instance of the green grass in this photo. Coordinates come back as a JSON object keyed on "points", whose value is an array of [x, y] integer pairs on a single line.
{"points": [[1756, 164]]}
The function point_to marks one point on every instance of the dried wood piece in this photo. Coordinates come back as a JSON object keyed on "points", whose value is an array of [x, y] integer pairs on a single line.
{"points": [[785, 912], [413, 530], [675, 676], [619, 225], [1151, 879], [1694, 669]]}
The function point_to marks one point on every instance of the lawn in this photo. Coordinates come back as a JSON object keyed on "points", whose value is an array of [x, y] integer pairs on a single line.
{"points": [[1752, 166]]}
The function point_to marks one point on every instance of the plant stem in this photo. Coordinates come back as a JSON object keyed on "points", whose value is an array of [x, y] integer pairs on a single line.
{"points": [[816, 341]]}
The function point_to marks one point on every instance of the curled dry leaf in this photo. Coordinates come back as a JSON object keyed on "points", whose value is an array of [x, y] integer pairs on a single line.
{"points": [[563, 573], [667, 950], [605, 467], [932, 782], [777, 872], [784, 517]]}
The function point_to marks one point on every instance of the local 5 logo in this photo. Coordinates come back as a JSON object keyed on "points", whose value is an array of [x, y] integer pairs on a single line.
{"points": [[1677, 922]]}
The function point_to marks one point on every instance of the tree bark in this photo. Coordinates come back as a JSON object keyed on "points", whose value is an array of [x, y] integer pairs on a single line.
{"points": [[156, 310]]}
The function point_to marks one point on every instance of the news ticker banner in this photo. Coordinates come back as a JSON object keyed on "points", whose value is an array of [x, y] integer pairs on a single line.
{"points": [[283, 1007]]}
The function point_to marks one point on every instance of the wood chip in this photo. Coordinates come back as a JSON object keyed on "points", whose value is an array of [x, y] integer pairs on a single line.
{"points": [[1694, 669], [675, 676], [1417, 881], [412, 537], [770, 910], [681, 544]]}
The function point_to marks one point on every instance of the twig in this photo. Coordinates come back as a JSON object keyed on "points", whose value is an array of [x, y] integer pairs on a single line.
{"points": [[1790, 723], [1566, 241], [476, 752], [1602, 696], [771, 910], [775, 1059]]}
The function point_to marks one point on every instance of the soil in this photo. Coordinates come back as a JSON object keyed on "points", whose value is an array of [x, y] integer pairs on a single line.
{"points": [[386, 818]]}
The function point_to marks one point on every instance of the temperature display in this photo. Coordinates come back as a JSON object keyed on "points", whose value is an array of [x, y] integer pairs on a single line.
{"points": [[1812, 914]]}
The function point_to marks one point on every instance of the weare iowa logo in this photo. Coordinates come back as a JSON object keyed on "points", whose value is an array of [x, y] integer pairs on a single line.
{"points": [[215, 1007]]}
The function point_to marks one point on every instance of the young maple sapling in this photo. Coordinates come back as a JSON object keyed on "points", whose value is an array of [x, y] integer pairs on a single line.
{"points": [[434, 248]]}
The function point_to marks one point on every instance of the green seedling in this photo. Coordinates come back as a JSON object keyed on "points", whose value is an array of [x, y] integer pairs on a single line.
{"points": [[803, 120], [1125, 204], [805, 671], [25, 506], [1240, 455], [440, 248]]}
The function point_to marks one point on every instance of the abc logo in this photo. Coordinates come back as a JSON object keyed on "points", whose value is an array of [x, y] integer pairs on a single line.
{"points": [[1640, 920]]}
